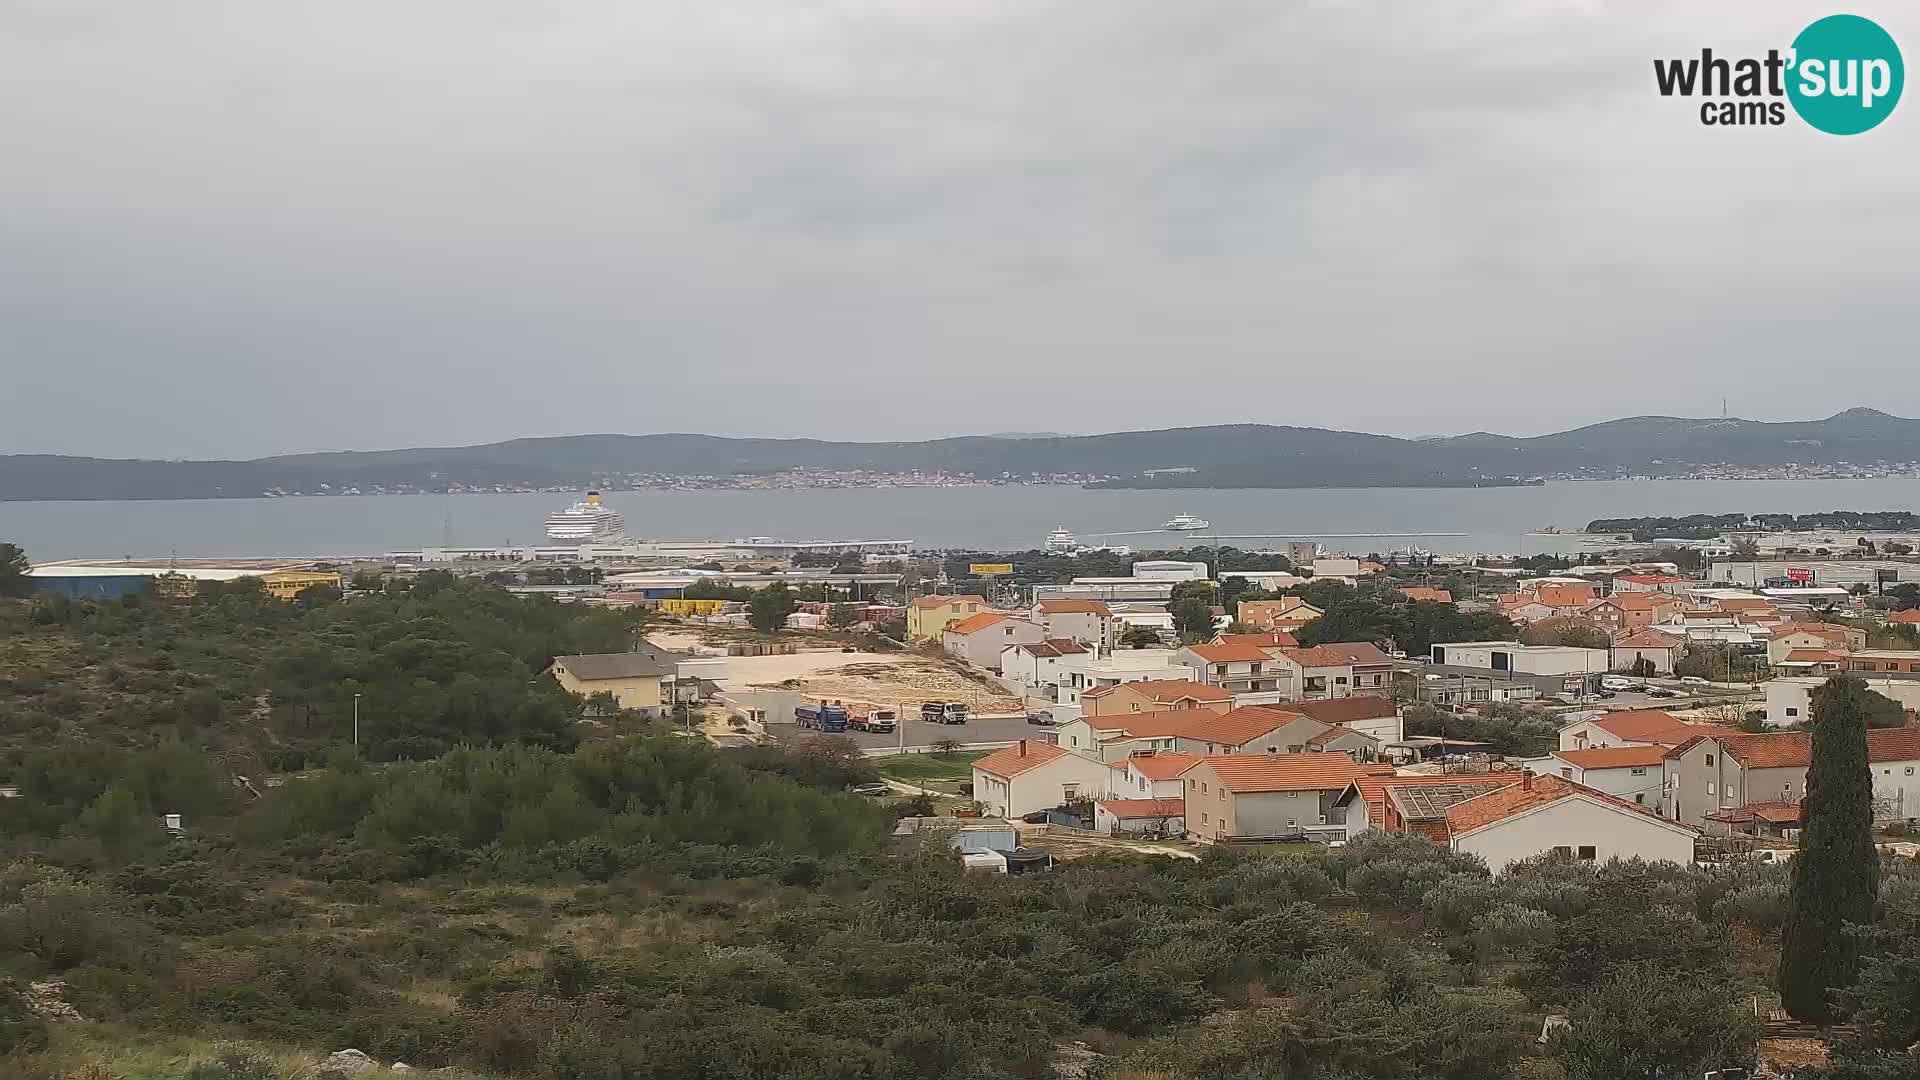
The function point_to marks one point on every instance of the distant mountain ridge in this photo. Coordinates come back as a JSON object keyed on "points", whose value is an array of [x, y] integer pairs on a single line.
{"points": [[1220, 456]]}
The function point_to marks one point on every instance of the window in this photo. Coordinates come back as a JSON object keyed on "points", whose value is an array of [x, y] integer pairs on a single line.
{"points": [[1791, 711], [1203, 787], [1909, 770], [1638, 771], [1640, 797], [1588, 853], [1709, 765], [1223, 794], [1568, 773], [1069, 792], [1562, 849], [1191, 784], [1292, 823], [1709, 787]]}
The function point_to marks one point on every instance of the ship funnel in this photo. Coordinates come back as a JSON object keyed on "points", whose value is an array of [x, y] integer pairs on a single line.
{"points": [[593, 498]]}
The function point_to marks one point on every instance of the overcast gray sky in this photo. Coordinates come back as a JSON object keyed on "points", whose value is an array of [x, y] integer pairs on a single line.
{"points": [[239, 228]]}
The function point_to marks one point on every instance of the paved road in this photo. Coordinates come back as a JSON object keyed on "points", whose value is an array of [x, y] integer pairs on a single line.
{"points": [[919, 733]]}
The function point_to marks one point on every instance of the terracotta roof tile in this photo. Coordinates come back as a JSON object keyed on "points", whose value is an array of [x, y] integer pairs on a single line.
{"points": [[1422, 592], [1073, 607], [1165, 723], [1909, 616], [1245, 774], [1614, 757], [1236, 727], [1518, 798], [1374, 786], [1162, 690], [1053, 647], [1228, 654], [1345, 710], [1145, 808], [973, 623], [1653, 726], [1010, 761], [1813, 656]]}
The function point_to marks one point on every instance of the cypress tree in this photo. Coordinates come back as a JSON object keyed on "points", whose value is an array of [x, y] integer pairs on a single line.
{"points": [[1837, 872]]}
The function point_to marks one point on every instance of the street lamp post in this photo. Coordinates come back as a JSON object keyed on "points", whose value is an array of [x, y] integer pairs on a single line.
{"points": [[356, 723]]}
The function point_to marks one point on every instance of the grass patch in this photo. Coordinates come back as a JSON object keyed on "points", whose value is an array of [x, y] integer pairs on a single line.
{"points": [[930, 770]]}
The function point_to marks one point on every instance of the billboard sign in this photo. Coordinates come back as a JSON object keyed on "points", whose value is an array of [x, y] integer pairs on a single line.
{"points": [[1799, 575], [1886, 574], [988, 569]]}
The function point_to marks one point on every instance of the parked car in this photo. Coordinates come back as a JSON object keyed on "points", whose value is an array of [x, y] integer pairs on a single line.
{"points": [[1038, 817], [871, 789], [1041, 718], [1694, 680], [1664, 692], [1614, 682]]}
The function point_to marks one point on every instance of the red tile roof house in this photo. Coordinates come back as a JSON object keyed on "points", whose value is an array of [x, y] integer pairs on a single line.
{"points": [[1376, 716], [1029, 776], [1421, 592], [1201, 731], [1507, 817], [1540, 814], [1089, 622], [1716, 772], [1632, 727], [1240, 670], [1118, 817], [1150, 774], [1342, 668], [1659, 649], [1634, 773], [1249, 797], [979, 639], [1412, 804], [1153, 695]]}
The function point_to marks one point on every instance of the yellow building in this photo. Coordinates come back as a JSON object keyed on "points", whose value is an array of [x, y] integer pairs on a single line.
{"points": [[634, 679], [287, 584], [677, 606], [929, 616]]}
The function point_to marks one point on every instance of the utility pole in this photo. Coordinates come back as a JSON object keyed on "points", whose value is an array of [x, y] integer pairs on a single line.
{"points": [[356, 723]]}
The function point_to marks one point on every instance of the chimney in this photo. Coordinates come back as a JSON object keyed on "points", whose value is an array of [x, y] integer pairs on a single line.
{"points": [[1526, 780], [1023, 748]]}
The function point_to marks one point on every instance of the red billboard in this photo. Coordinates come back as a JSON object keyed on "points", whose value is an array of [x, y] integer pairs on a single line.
{"points": [[1799, 575]]}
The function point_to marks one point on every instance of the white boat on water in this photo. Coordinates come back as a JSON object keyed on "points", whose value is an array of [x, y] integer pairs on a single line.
{"points": [[1186, 523], [586, 522], [1061, 539]]}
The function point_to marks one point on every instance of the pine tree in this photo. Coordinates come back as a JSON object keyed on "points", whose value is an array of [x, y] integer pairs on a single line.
{"points": [[1837, 871]]}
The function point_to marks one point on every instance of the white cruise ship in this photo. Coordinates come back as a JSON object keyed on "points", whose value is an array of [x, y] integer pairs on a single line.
{"points": [[586, 522], [1186, 523], [1061, 539]]}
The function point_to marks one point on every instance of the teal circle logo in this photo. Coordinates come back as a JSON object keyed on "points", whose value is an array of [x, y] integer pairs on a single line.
{"points": [[1846, 75]]}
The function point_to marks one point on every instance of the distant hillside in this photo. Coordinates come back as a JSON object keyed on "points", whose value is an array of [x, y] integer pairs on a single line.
{"points": [[1223, 456]]}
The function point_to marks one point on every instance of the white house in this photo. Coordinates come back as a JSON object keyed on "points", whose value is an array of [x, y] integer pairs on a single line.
{"points": [[1368, 714], [1540, 814], [1527, 659], [1658, 649], [1028, 776], [1055, 669], [1634, 773], [1248, 672], [1790, 699], [1089, 622], [1632, 727], [1135, 665], [1117, 817], [980, 639], [1149, 774]]}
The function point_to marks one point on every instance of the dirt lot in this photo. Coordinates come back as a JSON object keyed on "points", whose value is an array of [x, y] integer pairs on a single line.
{"points": [[902, 680]]}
